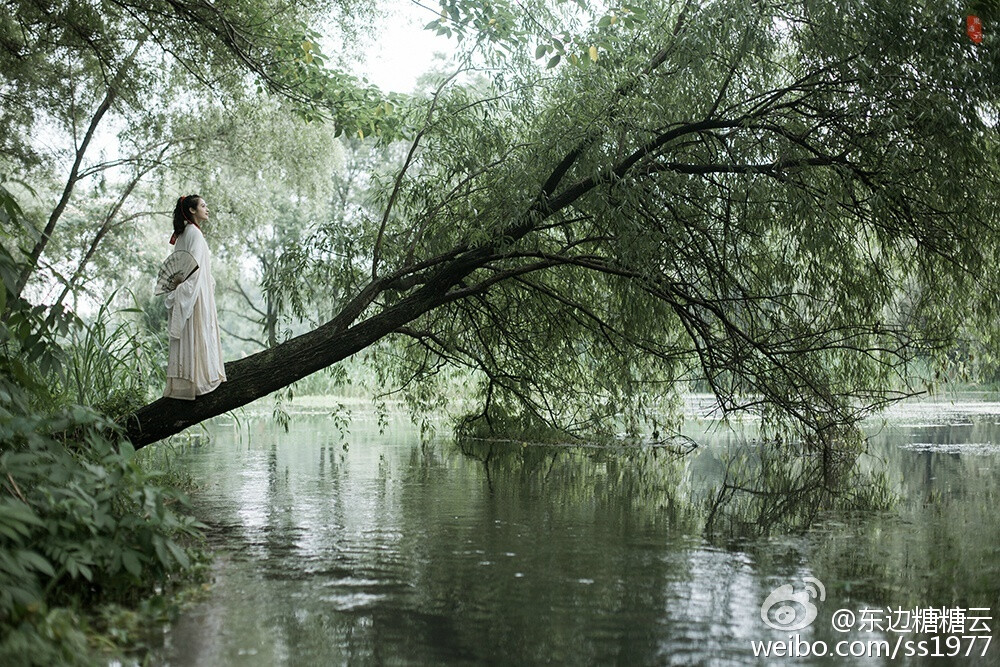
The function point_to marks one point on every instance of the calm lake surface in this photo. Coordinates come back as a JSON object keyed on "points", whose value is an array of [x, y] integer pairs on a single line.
{"points": [[369, 548]]}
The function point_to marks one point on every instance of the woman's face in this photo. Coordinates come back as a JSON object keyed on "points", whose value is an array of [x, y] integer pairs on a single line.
{"points": [[200, 212]]}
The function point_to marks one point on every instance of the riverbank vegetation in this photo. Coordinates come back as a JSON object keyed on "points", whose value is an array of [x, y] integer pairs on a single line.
{"points": [[89, 532], [583, 213]]}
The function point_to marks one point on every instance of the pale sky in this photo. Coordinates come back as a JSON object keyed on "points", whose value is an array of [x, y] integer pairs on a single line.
{"points": [[402, 50]]}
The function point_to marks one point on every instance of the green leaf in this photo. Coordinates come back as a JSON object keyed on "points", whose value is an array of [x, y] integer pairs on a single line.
{"points": [[161, 552], [554, 61], [37, 562], [178, 553], [131, 563]]}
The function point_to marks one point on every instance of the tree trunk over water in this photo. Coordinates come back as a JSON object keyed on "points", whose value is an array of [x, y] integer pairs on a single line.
{"points": [[267, 371], [270, 370]]}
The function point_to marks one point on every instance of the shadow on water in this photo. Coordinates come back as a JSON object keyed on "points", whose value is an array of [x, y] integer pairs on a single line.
{"points": [[380, 548]]}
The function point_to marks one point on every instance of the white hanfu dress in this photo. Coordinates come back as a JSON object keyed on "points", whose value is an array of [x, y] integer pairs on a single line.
{"points": [[194, 362]]}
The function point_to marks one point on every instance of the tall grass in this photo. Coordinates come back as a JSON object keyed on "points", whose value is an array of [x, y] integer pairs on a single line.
{"points": [[112, 363]]}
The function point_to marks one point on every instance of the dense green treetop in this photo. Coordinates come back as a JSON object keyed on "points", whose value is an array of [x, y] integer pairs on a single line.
{"points": [[790, 201]]}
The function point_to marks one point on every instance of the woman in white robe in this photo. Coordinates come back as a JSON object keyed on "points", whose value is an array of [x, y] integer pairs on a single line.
{"points": [[194, 362]]}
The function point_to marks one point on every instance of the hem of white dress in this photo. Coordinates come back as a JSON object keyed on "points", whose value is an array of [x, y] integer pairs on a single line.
{"points": [[185, 390]]}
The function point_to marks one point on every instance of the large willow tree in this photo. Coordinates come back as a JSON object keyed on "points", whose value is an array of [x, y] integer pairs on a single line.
{"points": [[788, 201]]}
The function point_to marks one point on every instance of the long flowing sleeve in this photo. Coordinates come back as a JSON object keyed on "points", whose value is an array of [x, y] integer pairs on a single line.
{"points": [[180, 302]]}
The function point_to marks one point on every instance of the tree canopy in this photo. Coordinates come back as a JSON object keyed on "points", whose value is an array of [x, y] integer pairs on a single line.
{"points": [[787, 203]]}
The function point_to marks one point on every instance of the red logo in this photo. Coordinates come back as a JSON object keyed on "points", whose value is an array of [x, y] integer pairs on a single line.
{"points": [[974, 28]]}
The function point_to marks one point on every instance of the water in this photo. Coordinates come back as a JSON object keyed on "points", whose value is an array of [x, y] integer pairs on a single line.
{"points": [[372, 549]]}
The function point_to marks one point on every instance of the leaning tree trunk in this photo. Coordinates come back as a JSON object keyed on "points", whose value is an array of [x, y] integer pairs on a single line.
{"points": [[267, 371]]}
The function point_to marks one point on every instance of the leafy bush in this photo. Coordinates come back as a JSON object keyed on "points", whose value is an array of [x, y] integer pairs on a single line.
{"points": [[82, 523], [50, 638]]}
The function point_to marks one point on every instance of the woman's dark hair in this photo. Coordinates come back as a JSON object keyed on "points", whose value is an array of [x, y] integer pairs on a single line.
{"points": [[182, 212]]}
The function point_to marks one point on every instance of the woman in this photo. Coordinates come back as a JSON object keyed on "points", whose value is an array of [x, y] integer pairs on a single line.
{"points": [[194, 363]]}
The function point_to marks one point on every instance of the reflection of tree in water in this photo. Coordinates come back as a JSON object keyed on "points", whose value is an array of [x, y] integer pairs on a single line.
{"points": [[747, 491], [931, 549], [777, 487], [938, 548], [546, 532], [645, 482]]}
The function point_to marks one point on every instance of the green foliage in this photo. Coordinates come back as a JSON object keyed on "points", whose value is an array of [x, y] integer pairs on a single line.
{"points": [[518, 426], [51, 637], [77, 68], [83, 521], [572, 32], [793, 204], [789, 204], [28, 334], [986, 9], [272, 41], [111, 365]]}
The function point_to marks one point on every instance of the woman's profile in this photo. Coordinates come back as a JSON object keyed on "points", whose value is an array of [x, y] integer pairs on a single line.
{"points": [[194, 362]]}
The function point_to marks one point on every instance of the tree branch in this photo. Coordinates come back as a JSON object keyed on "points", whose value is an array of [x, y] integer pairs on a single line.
{"points": [[71, 180]]}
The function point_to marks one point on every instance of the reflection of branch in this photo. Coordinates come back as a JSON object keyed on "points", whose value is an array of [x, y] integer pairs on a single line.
{"points": [[790, 489]]}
